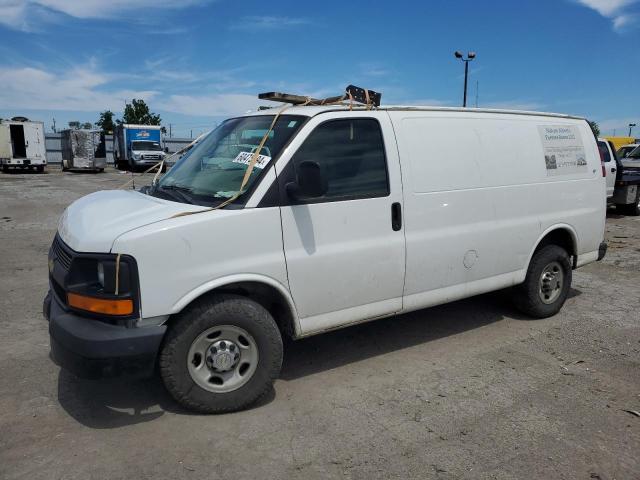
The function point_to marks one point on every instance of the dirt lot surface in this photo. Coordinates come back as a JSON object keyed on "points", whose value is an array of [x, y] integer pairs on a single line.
{"points": [[466, 390]]}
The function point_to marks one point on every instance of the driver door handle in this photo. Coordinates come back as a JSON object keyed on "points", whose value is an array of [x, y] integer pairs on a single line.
{"points": [[396, 216]]}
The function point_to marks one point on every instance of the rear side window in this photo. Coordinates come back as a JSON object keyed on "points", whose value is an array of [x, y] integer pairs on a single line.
{"points": [[605, 156], [351, 155]]}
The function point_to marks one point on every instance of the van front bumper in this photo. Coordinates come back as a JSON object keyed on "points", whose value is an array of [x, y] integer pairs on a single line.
{"points": [[93, 349]]}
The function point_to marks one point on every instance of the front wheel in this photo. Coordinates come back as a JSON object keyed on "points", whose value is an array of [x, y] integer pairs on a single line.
{"points": [[547, 283], [221, 355]]}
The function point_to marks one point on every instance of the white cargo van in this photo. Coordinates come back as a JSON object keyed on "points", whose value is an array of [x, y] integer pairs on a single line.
{"points": [[22, 144], [349, 215]]}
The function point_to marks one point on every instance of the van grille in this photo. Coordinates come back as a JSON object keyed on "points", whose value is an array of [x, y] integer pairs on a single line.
{"points": [[61, 253], [151, 157]]}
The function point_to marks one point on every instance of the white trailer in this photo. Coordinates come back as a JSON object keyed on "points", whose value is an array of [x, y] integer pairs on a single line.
{"points": [[22, 144]]}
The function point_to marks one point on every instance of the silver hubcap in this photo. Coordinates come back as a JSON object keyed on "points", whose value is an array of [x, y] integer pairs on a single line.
{"points": [[551, 282], [222, 358]]}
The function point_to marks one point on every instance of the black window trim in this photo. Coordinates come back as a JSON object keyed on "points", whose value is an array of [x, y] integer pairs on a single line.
{"points": [[287, 174], [606, 146]]}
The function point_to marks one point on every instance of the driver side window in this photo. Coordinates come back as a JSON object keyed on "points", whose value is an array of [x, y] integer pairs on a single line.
{"points": [[351, 156]]}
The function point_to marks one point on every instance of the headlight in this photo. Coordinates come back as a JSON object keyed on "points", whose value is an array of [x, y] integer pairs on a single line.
{"points": [[91, 285]]}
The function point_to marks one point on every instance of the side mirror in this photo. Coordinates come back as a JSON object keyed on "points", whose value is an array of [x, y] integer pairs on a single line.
{"points": [[166, 149], [311, 182]]}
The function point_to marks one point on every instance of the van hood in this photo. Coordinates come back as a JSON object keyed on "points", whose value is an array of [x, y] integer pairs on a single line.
{"points": [[92, 223]]}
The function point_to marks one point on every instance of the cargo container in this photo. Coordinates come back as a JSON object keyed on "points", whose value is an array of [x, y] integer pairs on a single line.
{"points": [[83, 150], [22, 144]]}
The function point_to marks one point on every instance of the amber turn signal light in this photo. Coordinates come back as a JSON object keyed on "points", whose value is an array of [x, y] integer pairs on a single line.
{"points": [[100, 305]]}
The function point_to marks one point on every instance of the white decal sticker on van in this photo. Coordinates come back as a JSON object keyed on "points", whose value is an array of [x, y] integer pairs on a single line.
{"points": [[245, 158], [563, 149]]}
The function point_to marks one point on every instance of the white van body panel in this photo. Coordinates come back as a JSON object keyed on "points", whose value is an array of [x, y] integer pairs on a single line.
{"points": [[474, 212], [345, 249], [180, 258]]}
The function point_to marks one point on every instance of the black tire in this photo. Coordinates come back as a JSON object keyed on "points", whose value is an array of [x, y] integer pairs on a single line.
{"points": [[220, 310], [528, 296], [631, 209]]}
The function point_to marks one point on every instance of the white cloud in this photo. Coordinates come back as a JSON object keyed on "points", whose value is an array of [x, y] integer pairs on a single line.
{"points": [[27, 14], [616, 10], [267, 22], [223, 104], [80, 89], [85, 88]]}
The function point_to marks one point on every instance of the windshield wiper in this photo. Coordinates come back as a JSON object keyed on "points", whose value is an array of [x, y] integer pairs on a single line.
{"points": [[178, 191]]}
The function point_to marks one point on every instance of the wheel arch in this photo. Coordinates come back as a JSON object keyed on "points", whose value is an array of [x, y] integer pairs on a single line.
{"points": [[269, 293], [564, 236]]}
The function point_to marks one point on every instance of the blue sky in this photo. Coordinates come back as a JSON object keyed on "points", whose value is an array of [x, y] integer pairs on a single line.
{"points": [[198, 61]]}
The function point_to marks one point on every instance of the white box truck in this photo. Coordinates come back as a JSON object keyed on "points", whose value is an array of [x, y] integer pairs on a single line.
{"points": [[22, 144], [137, 146], [348, 215]]}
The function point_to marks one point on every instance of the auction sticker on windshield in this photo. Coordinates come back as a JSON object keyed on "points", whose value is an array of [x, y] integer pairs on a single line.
{"points": [[245, 158]]}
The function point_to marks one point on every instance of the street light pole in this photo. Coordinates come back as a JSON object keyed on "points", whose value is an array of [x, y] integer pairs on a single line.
{"points": [[631, 125], [470, 56]]}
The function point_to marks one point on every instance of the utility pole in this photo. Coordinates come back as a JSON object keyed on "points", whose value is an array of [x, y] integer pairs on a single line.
{"points": [[191, 134], [169, 130], [54, 126], [631, 125], [477, 84], [470, 57]]}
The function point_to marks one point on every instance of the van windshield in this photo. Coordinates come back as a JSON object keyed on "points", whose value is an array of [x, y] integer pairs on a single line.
{"points": [[213, 170]]}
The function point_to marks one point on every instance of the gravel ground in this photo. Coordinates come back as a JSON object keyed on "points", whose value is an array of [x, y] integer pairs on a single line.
{"points": [[467, 390]]}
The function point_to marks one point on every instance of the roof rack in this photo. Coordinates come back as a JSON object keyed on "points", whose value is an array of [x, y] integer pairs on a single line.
{"points": [[352, 93]]}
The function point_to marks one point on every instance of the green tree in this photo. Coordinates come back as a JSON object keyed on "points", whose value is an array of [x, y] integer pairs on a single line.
{"points": [[594, 127], [106, 123], [74, 124], [137, 112]]}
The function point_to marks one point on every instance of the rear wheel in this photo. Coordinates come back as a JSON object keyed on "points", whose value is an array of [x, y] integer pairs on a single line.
{"points": [[221, 355], [547, 283], [632, 209]]}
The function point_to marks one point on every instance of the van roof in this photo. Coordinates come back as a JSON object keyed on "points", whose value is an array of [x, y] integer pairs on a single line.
{"points": [[312, 110]]}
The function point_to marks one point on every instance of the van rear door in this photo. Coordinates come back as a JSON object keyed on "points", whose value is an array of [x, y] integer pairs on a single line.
{"points": [[33, 142], [610, 165], [345, 251]]}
